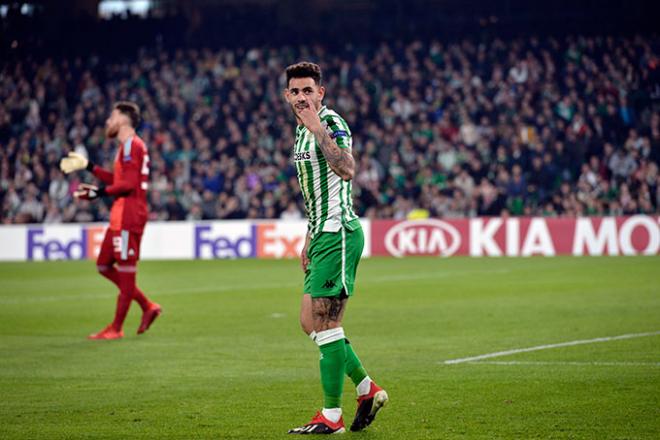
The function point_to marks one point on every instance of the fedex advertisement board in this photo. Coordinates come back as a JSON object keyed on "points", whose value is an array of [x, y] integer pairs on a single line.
{"points": [[162, 240], [83, 241], [515, 237], [60, 242], [258, 239], [249, 240]]}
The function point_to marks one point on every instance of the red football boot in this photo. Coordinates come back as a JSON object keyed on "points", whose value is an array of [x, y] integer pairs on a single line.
{"points": [[320, 425], [367, 407], [107, 333], [148, 317]]}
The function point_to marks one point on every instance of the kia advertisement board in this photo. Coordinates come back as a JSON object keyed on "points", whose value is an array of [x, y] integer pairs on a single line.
{"points": [[517, 237]]}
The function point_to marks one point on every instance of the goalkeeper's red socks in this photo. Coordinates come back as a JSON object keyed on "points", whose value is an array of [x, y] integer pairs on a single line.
{"points": [[113, 275], [126, 277], [138, 296], [148, 317]]}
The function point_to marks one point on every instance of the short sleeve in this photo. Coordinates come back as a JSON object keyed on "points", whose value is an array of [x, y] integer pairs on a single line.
{"points": [[338, 131], [132, 153]]}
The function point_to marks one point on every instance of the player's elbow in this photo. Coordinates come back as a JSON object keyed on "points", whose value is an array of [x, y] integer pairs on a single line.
{"points": [[347, 175], [343, 170]]}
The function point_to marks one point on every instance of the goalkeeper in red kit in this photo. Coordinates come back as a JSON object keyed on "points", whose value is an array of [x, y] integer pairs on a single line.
{"points": [[127, 185]]}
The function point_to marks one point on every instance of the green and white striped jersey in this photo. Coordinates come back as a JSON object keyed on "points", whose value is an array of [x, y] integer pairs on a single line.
{"points": [[328, 198]]}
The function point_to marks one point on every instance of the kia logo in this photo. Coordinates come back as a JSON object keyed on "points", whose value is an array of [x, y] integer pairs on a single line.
{"points": [[422, 237]]}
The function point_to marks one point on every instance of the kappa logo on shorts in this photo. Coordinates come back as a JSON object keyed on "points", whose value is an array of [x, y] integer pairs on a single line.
{"points": [[329, 284]]}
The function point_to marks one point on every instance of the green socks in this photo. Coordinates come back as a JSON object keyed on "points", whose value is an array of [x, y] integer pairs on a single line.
{"points": [[337, 358], [336, 361], [354, 367], [333, 365]]}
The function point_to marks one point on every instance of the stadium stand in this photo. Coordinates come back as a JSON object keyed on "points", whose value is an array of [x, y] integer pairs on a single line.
{"points": [[553, 126]]}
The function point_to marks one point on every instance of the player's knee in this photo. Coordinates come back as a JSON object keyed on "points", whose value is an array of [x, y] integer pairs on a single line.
{"points": [[306, 319], [321, 325], [306, 324], [129, 268]]}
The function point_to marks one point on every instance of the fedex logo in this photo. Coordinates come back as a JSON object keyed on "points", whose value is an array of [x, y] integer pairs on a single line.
{"points": [[61, 243], [230, 243], [242, 240], [281, 240]]}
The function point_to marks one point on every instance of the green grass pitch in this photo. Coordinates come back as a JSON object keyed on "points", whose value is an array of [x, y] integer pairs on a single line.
{"points": [[227, 358]]}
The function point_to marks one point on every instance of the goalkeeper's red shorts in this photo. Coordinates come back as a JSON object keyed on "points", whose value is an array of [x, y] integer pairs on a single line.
{"points": [[121, 247]]}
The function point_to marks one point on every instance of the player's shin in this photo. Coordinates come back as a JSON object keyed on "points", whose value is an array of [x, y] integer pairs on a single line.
{"points": [[126, 291], [141, 299], [333, 366], [111, 273], [355, 370]]}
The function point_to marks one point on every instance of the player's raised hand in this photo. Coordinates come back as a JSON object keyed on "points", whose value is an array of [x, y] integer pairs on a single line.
{"points": [[304, 256], [73, 162], [304, 259], [87, 191], [309, 117]]}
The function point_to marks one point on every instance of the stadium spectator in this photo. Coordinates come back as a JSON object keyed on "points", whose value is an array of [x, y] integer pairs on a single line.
{"points": [[527, 126]]}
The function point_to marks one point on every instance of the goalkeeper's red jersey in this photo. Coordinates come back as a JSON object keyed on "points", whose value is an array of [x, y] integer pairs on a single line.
{"points": [[127, 183]]}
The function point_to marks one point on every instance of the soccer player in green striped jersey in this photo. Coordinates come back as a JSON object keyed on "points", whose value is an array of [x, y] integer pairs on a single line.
{"points": [[332, 251]]}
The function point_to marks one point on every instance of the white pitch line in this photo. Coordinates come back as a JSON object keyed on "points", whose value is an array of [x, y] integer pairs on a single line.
{"points": [[598, 363], [548, 346]]}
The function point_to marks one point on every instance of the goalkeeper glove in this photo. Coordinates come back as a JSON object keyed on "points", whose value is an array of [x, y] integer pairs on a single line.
{"points": [[86, 191], [74, 162]]}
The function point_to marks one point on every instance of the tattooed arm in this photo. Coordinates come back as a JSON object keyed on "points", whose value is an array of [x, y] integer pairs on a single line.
{"points": [[340, 159]]}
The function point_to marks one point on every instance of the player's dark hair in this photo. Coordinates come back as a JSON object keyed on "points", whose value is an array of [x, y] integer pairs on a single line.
{"points": [[131, 110], [304, 69]]}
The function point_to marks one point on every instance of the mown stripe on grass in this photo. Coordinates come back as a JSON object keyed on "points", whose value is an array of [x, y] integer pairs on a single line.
{"points": [[10, 300]]}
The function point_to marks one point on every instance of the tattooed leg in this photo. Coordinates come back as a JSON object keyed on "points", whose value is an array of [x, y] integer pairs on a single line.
{"points": [[327, 312]]}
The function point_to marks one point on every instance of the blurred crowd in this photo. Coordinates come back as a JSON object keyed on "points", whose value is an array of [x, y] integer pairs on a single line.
{"points": [[551, 126]]}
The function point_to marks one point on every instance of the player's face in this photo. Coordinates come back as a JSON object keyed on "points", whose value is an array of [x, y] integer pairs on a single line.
{"points": [[114, 123], [303, 93]]}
